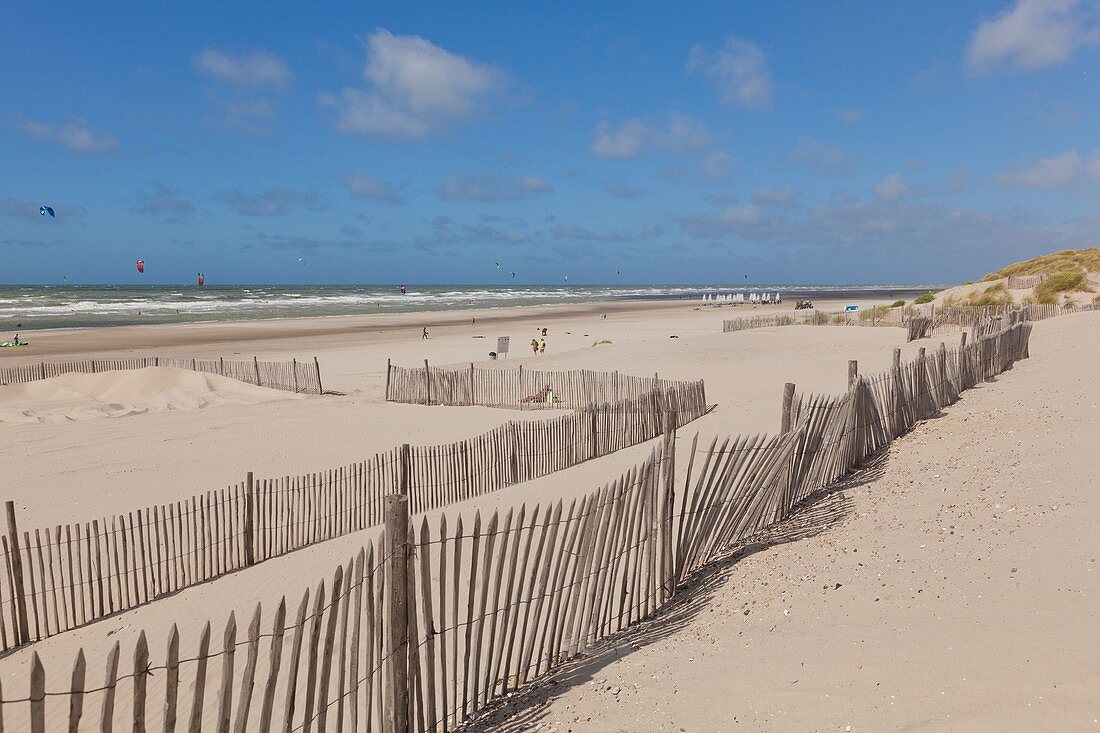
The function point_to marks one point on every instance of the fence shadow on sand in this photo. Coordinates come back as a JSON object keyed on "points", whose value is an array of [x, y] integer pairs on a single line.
{"points": [[818, 512]]}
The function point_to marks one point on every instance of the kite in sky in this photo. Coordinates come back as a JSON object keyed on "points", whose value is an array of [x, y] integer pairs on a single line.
{"points": [[43, 210]]}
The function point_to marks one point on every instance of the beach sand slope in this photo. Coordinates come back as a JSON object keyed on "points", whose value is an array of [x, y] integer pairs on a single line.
{"points": [[952, 586]]}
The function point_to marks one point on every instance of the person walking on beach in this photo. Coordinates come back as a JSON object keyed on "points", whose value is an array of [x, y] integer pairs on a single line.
{"points": [[424, 335], [535, 346], [542, 346]]}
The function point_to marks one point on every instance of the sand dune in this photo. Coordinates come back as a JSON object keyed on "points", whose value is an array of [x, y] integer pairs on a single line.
{"points": [[118, 394]]}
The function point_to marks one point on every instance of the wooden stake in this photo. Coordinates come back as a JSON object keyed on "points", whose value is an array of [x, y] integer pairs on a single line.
{"points": [[249, 526], [788, 400], [853, 372], [396, 695], [17, 571], [317, 368], [427, 383]]}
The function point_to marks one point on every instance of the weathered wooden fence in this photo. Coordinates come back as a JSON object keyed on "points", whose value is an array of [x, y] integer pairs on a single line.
{"points": [[813, 317], [292, 376], [61, 577], [1023, 282], [918, 327], [430, 625], [523, 388]]}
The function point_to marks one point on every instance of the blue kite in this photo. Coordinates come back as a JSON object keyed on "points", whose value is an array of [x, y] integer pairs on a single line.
{"points": [[43, 210]]}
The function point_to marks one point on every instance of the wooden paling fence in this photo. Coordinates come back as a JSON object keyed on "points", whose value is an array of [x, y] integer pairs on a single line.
{"points": [[939, 320], [61, 577], [292, 376], [918, 327], [428, 626], [522, 388], [869, 317], [1023, 282]]}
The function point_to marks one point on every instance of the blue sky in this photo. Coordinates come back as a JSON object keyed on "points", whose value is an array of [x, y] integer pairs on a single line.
{"points": [[414, 142]]}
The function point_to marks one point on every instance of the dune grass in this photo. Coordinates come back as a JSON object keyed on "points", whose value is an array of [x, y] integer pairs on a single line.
{"points": [[1068, 260], [1052, 288], [926, 298]]}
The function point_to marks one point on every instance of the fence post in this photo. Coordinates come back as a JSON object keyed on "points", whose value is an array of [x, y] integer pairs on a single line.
{"points": [[221, 365], [194, 366], [294, 368], [932, 320], [17, 575], [388, 369], [43, 368], [853, 372], [471, 393], [317, 368], [594, 411], [962, 341], [403, 470], [256, 366], [249, 526], [515, 451], [396, 697], [788, 401], [427, 383]]}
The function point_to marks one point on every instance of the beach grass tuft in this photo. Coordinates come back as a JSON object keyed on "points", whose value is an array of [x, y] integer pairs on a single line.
{"points": [[1050, 289]]}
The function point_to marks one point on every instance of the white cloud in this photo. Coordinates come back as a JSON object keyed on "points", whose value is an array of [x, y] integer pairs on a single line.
{"points": [[891, 188], [738, 70], [1033, 34], [490, 187], [821, 158], [75, 136], [366, 187], [733, 219], [766, 195], [1060, 171], [684, 133], [415, 89], [255, 69], [1094, 165], [274, 201], [959, 181], [622, 190], [630, 138], [850, 116], [717, 163], [624, 141], [164, 203], [568, 231]]}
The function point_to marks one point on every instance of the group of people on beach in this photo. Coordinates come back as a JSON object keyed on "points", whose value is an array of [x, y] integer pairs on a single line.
{"points": [[538, 344]]}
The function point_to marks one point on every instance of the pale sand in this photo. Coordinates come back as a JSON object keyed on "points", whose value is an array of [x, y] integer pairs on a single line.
{"points": [[952, 586], [107, 466], [91, 467], [73, 397]]}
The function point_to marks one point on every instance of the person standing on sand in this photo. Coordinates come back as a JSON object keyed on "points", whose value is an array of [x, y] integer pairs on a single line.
{"points": [[542, 346], [424, 335], [535, 346]]}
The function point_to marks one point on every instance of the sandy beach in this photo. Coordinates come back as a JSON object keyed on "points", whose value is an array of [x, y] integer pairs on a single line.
{"points": [[103, 444]]}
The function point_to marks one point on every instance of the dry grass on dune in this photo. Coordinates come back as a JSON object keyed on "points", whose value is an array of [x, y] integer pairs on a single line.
{"points": [[1068, 260], [1049, 290]]}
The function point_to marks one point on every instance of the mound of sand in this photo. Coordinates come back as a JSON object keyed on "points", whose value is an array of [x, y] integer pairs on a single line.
{"points": [[117, 394], [997, 290]]}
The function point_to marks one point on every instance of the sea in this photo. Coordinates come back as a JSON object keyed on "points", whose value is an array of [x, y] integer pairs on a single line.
{"points": [[75, 306]]}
